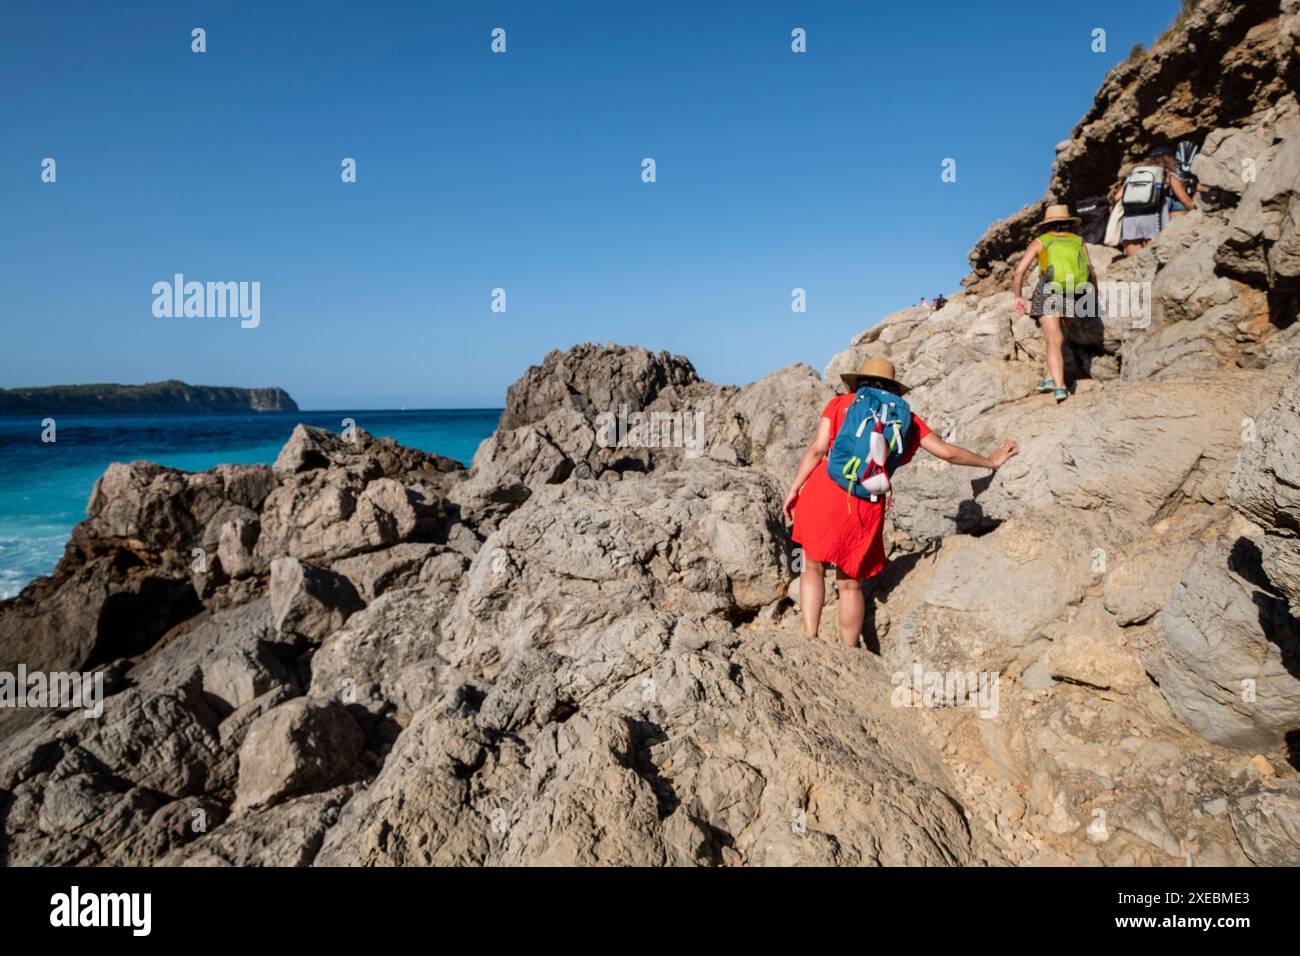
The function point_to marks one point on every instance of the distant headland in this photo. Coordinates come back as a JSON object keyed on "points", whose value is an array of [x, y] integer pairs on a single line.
{"points": [[169, 396]]}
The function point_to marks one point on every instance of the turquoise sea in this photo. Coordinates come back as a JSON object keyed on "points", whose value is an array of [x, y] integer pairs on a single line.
{"points": [[44, 486]]}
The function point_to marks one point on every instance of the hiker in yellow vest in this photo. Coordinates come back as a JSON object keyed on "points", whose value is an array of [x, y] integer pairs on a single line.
{"points": [[1063, 289]]}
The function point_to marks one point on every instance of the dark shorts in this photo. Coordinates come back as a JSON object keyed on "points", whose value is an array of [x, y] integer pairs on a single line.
{"points": [[1066, 306]]}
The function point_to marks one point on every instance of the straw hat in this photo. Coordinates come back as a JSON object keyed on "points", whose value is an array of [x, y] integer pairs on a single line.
{"points": [[1058, 213], [874, 371]]}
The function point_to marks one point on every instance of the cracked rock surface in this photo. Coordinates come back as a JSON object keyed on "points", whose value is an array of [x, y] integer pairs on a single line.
{"points": [[572, 652]]}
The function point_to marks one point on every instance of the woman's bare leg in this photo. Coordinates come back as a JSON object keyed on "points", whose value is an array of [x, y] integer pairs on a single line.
{"points": [[853, 608], [812, 595], [1054, 338]]}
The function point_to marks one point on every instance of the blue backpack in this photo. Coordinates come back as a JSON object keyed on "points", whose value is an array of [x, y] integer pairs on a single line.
{"points": [[870, 444]]}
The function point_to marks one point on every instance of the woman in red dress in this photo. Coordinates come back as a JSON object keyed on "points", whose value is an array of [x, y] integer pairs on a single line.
{"points": [[851, 538]]}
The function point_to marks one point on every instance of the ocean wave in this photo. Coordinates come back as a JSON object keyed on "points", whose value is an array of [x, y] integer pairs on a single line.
{"points": [[24, 557]]}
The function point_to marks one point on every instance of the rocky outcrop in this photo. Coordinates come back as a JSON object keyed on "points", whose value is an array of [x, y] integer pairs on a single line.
{"points": [[534, 658], [589, 379], [616, 411], [1266, 488], [608, 670], [298, 747], [651, 759], [126, 576], [1268, 823], [1230, 659], [310, 602], [1262, 245], [585, 648], [1223, 63]]}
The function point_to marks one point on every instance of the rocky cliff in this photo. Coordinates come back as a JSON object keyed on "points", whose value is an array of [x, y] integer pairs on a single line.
{"points": [[1227, 70], [169, 396], [584, 648]]}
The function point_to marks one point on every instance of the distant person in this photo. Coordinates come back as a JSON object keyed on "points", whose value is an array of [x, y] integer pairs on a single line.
{"points": [[940, 301], [1184, 154], [1152, 192], [923, 302], [1064, 270], [842, 525]]}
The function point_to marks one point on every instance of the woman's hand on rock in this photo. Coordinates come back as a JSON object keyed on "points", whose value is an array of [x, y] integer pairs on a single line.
{"points": [[1020, 305], [1008, 449]]}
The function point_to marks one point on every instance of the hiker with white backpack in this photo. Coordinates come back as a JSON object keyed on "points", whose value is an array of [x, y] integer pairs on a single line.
{"points": [[1152, 191], [1063, 291], [844, 486]]}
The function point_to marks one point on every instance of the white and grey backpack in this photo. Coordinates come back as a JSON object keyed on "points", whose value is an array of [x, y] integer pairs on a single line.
{"points": [[1144, 190]]}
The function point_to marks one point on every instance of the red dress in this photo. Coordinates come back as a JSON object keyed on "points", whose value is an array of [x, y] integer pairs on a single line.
{"points": [[834, 528]]}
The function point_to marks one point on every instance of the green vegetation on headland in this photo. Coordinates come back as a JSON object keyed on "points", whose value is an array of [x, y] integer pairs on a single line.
{"points": [[169, 396]]}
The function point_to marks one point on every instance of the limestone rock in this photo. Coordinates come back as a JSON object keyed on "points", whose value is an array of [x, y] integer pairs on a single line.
{"points": [[114, 606], [780, 412], [973, 614], [1228, 158], [1079, 454], [1267, 822], [1139, 585], [378, 571], [704, 539], [609, 784], [143, 505], [589, 379], [1228, 658], [287, 834], [299, 747], [237, 546], [308, 601], [1266, 487], [309, 449], [328, 515], [124, 579], [386, 657], [233, 657], [1091, 650], [1262, 243]]}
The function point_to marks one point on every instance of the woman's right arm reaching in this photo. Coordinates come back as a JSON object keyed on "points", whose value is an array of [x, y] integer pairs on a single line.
{"points": [[1181, 193], [960, 456]]}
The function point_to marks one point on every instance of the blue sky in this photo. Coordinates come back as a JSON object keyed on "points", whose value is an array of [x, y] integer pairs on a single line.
{"points": [[521, 171]]}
